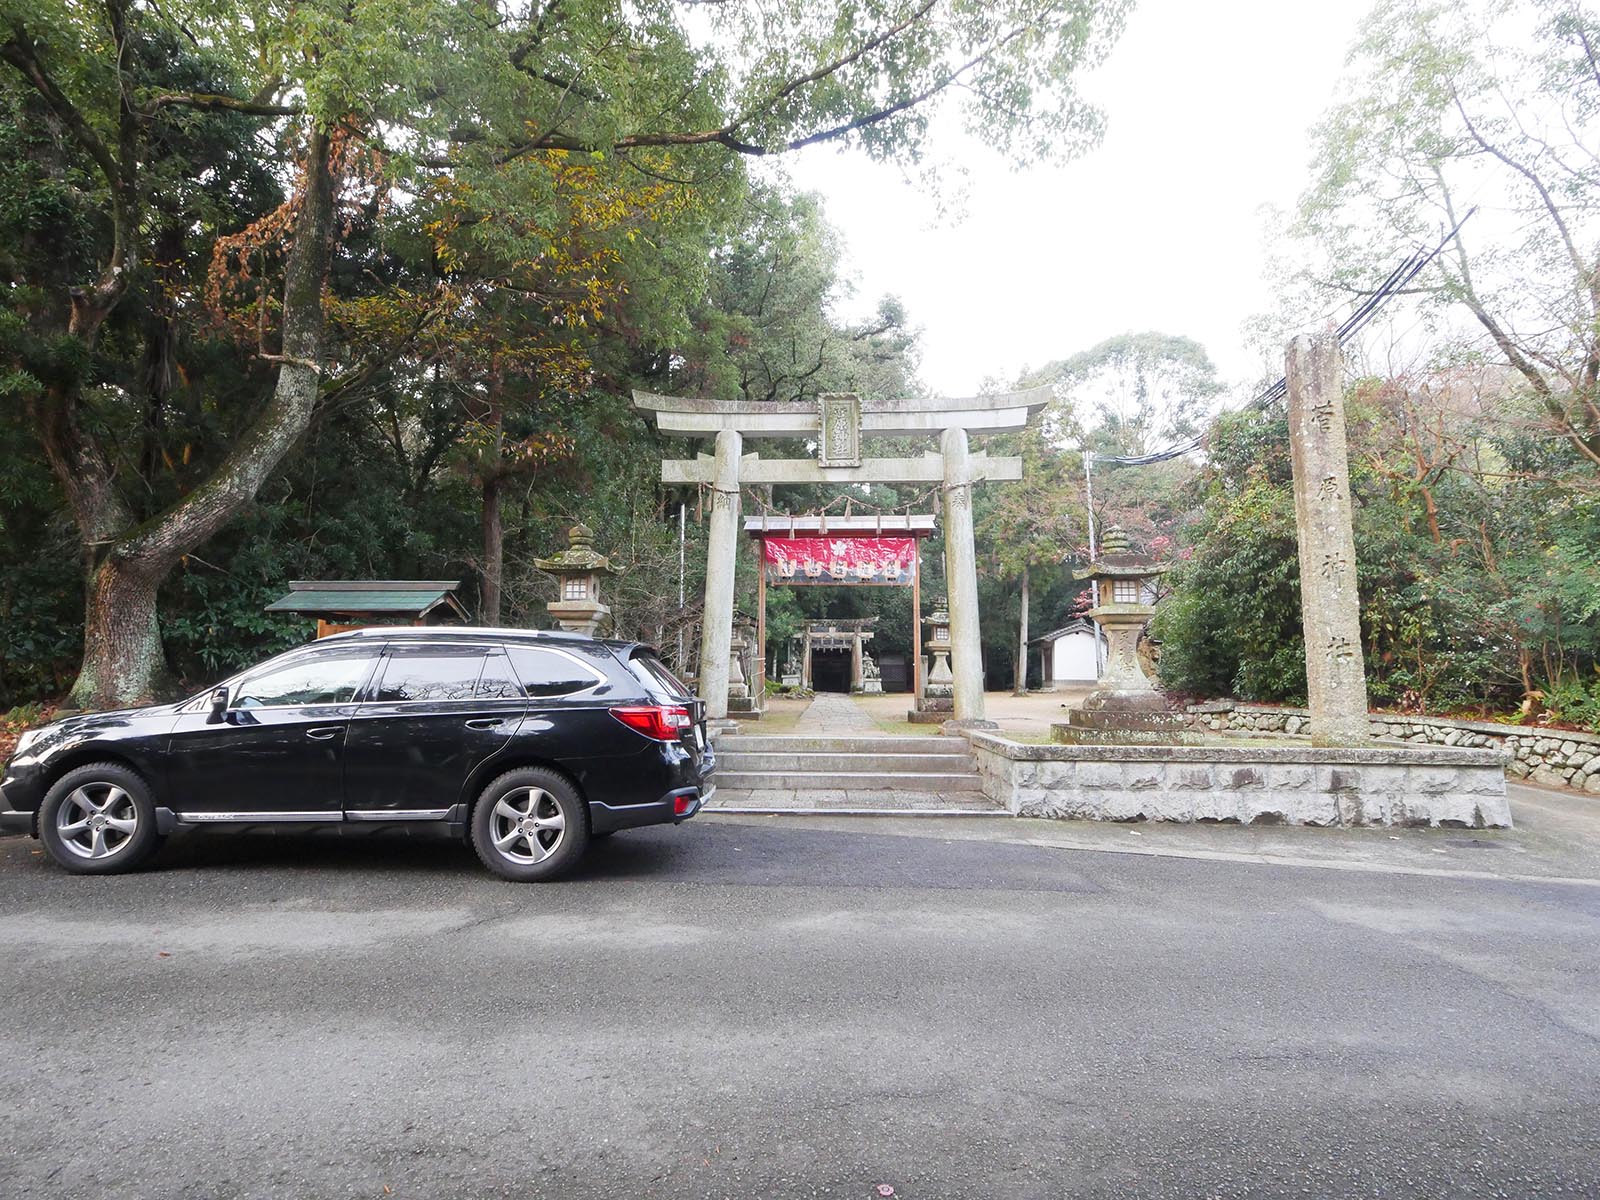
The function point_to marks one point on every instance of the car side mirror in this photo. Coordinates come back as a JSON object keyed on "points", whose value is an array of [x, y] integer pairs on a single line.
{"points": [[219, 707]]}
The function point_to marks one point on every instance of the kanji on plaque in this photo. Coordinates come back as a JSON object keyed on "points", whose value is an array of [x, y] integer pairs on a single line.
{"points": [[842, 560]]}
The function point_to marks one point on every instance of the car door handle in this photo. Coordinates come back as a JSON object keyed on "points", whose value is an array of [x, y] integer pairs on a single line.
{"points": [[486, 722], [325, 732]]}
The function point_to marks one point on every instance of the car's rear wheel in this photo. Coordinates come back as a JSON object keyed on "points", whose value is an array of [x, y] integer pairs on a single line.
{"points": [[99, 819], [530, 825]]}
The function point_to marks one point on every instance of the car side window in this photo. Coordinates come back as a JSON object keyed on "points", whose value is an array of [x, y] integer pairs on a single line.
{"points": [[653, 673], [546, 673], [324, 679], [497, 681], [427, 673]]}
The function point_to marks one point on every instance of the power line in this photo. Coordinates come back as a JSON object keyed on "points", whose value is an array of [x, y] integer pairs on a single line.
{"points": [[1397, 281]]}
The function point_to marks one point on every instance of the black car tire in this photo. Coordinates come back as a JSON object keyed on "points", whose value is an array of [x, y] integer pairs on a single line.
{"points": [[99, 801], [516, 813]]}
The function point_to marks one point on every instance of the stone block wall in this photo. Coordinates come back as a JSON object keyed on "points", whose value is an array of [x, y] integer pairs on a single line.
{"points": [[1556, 757], [1267, 785]]}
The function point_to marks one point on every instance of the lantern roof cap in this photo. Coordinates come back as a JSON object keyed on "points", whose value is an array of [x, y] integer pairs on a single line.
{"points": [[579, 558], [1118, 560]]}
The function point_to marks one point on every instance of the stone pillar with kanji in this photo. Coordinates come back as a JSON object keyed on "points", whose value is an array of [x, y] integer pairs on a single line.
{"points": [[1330, 611]]}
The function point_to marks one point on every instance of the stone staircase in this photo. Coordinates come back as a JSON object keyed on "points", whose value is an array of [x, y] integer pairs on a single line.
{"points": [[848, 774]]}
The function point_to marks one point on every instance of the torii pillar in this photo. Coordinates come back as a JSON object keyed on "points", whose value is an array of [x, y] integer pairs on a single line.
{"points": [[961, 580], [722, 548]]}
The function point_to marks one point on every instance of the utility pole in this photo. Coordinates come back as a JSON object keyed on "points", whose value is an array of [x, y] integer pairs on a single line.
{"points": [[682, 507], [1088, 488]]}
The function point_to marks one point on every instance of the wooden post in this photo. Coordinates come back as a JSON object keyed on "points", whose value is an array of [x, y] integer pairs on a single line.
{"points": [[916, 618], [760, 682]]}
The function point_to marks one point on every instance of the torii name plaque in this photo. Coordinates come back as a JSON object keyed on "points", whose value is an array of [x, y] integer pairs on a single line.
{"points": [[841, 430]]}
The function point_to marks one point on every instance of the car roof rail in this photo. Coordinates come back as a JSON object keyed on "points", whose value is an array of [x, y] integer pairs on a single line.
{"points": [[447, 632]]}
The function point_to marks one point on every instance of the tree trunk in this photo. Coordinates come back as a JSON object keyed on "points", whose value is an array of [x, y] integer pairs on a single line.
{"points": [[1021, 688], [123, 662], [493, 553], [494, 539]]}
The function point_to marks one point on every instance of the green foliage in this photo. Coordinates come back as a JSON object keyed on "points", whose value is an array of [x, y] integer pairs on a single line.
{"points": [[1140, 392], [535, 210], [1576, 702], [1478, 560], [766, 330], [1231, 625]]}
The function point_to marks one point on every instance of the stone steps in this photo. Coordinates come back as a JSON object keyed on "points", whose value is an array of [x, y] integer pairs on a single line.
{"points": [[845, 762], [840, 773], [850, 802], [833, 781], [869, 743]]}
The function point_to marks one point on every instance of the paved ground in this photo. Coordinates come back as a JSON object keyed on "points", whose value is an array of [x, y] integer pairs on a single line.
{"points": [[831, 713], [1028, 717], [775, 1007]]}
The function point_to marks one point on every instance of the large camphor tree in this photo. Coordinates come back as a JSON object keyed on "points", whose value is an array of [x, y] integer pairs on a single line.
{"points": [[353, 111]]}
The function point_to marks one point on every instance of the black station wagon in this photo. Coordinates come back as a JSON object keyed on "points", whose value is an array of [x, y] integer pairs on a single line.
{"points": [[527, 744]]}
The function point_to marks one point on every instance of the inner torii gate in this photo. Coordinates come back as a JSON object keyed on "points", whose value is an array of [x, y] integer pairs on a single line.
{"points": [[836, 425]]}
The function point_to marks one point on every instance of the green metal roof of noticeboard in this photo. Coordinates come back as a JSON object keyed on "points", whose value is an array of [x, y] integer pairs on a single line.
{"points": [[344, 597]]}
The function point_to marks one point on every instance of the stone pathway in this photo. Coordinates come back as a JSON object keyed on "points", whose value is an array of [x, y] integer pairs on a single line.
{"points": [[834, 712]]}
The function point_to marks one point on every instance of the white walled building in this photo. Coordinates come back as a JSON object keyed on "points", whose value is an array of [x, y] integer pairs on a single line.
{"points": [[1067, 655]]}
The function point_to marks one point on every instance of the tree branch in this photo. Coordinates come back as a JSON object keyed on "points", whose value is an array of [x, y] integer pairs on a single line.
{"points": [[19, 50], [1588, 51], [833, 68], [1588, 277], [728, 135], [212, 103], [90, 305]]}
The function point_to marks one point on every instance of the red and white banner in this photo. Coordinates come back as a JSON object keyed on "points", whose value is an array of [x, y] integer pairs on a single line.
{"points": [[840, 560]]}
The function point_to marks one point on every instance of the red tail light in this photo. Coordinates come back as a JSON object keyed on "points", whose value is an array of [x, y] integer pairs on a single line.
{"points": [[663, 722]]}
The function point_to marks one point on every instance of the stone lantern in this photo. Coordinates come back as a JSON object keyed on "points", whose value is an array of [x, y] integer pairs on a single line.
{"points": [[578, 570], [744, 695], [937, 702], [1125, 701]]}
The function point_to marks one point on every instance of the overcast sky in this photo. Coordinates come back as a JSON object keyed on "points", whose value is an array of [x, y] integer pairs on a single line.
{"points": [[1208, 109]]}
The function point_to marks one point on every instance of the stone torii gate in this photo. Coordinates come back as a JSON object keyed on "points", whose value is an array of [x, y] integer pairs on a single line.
{"points": [[836, 424]]}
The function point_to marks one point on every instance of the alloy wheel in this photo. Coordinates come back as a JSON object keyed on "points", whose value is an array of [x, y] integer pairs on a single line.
{"points": [[97, 820], [527, 825]]}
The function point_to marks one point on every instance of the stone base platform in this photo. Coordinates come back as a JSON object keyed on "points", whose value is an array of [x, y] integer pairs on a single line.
{"points": [[1073, 735], [1381, 785], [932, 710]]}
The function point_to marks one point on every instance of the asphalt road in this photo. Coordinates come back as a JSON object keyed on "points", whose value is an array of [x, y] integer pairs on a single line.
{"points": [[768, 1009]]}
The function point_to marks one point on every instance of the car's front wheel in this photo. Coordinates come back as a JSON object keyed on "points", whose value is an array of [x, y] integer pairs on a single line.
{"points": [[530, 825], [99, 819]]}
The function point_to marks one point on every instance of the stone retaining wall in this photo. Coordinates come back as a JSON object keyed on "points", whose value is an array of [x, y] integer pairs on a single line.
{"points": [[1268, 785], [1556, 757]]}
